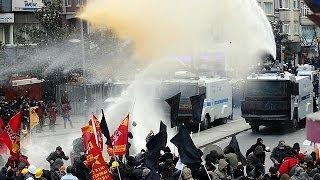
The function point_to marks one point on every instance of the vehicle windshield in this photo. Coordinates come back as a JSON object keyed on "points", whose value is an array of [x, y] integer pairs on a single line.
{"points": [[266, 88]]}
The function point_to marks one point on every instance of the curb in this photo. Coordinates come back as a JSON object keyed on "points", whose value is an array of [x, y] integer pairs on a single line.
{"points": [[222, 138]]}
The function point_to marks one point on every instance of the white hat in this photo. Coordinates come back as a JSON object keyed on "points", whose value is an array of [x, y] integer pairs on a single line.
{"points": [[32, 169]]}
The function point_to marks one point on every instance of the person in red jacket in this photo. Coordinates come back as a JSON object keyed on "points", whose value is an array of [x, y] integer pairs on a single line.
{"points": [[52, 111], [65, 108], [288, 163], [14, 161]]}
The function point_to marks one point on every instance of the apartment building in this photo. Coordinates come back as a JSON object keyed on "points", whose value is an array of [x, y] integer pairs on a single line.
{"points": [[14, 15], [309, 32], [268, 7], [70, 10]]}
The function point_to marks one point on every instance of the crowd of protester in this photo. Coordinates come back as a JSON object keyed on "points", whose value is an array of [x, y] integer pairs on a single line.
{"points": [[45, 111], [289, 162]]}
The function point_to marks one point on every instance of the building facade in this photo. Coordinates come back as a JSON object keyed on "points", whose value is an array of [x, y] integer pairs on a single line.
{"points": [[70, 10], [310, 33], [18, 15], [15, 16], [268, 7]]}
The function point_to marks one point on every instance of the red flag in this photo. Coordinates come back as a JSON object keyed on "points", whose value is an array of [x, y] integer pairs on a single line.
{"points": [[11, 134], [120, 139], [3, 147], [94, 122], [87, 132], [100, 171]]}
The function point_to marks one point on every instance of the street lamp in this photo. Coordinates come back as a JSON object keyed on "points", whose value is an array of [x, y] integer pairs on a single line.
{"points": [[81, 40]]}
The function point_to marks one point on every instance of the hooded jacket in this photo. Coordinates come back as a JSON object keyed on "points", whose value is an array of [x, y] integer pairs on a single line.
{"points": [[220, 173], [287, 164], [254, 159]]}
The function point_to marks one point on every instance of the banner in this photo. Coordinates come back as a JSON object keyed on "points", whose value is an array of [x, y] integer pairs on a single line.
{"points": [[100, 171], [87, 132], [11, 134], [26, 5], [34, 118], [6, 18], [120, 139]]}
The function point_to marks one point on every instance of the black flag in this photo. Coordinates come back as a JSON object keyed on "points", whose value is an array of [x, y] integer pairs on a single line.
{"points": [[189, 153], [154, 145], [197, 106], [235, 146], [174, 103], [105, 129]]}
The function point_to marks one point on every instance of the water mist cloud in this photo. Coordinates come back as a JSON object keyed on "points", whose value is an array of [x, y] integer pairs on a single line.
{"points": [[162, 28]]}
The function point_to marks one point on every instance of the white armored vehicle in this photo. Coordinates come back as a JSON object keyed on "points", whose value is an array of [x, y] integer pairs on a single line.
{"points": [[274, 99], [218, 98]]}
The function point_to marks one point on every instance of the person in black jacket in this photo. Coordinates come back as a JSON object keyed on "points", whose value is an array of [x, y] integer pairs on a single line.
{"points": [[58, 154], [253, 147]]}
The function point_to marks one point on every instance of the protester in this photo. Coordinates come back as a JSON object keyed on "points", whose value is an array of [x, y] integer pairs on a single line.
{"points": [[253, 147], [254, 160], [52, 111], [69, 175], [57, 154], [289, 163], [65, 108], [41, 112], [31, 173], [279, 153], [221, 171], [39, 174]]}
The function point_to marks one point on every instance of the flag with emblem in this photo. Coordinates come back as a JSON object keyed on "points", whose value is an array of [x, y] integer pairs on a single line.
{"points": [[96, 162], [87, 132], [94, 122], [120, 139], [11, 134]]}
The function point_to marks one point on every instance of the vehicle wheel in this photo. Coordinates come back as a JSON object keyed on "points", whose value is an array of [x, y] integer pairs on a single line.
{"points": [[302, 123], [294, 124], [223, 121], [204, 124], [255, 128]]}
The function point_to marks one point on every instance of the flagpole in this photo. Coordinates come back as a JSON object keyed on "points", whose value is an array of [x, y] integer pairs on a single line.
{"points": [[174, 147], [199, 130], [115, 157], [205, 168], [94, 130]]}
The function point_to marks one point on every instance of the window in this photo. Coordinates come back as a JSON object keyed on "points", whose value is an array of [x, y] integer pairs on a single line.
{"points": [[296, 29], [79, 2], [284, 4], [67, 2], [286, 29], [304, 10], [295, 4], [268, 8]]}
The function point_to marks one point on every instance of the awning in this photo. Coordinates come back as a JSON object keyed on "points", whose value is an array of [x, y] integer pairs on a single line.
{"points": [[22, 82], [314, 18]]}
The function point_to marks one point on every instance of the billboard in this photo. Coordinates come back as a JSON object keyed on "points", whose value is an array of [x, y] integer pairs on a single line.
{"points": [[26, 5], [6, 18]]}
